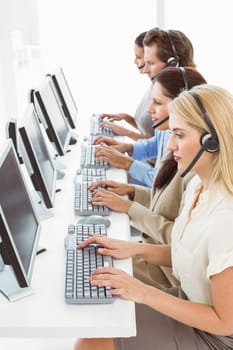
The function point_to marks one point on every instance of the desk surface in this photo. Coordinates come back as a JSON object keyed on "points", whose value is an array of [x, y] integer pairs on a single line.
{"points": [[45, 313]]}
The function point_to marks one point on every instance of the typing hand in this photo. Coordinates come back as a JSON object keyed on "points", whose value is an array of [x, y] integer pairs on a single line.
{"points": [[116, 248], [112, 117], [113, 186], [117, 129], [113, 157], [111, 200], [122, 284], [109, 141]]}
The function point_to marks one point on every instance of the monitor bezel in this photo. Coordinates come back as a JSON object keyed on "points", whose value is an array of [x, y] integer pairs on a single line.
{"points": [[47, 120], [25, 276], [56, 78], [39, 180], [9, 249]]}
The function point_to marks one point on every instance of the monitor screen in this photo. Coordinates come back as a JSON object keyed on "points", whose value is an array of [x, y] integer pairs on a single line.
{"points": [[64, 93], [19, 213], [36, 157], [52, 116]]}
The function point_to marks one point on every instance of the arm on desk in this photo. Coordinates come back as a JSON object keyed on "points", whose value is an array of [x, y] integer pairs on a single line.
{"points": [[119, 249]]}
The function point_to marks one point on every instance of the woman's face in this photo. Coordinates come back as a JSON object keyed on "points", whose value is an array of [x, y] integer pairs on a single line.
{"points": [[185, 144], [158, 107], [139, 57]]}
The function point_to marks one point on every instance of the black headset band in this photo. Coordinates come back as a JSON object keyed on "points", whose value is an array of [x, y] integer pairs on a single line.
{"points": [[184, 76], [172, 45], [204, 113]]}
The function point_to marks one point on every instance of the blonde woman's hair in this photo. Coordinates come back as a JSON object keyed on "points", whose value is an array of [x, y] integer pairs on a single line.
{"points": [[218, 103]]}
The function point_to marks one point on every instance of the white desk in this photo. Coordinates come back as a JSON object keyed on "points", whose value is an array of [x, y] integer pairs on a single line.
{"points": [[45, 313]]}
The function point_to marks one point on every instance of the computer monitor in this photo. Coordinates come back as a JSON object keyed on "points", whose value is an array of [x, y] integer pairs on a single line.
{"points": [[12, 133], [19, 227], [52, 116], [66, 98], [36, 157]]}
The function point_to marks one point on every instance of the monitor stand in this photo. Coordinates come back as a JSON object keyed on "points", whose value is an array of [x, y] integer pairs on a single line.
{"points": [[42, 211], [58, 166], [9, 286], [73, 137]]}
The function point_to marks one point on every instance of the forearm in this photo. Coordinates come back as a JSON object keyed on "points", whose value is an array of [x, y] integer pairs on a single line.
{"points": [[142, 172], [145, 149], [134, 135], [195, 315], [156, 226], [154, 254], [129, 119]]}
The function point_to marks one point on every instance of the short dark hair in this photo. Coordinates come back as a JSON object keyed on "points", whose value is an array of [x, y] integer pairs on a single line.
{"points": [[183, 45], [139, 39]]}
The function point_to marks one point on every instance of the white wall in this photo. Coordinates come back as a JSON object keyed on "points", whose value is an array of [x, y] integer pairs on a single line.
{"points": [[208, 23], [18, 21], [93, 41]]}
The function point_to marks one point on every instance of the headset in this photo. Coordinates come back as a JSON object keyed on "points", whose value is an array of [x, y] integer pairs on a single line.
{"points": [[209, 141], [185, 79], [174, 60], [142, 66]]}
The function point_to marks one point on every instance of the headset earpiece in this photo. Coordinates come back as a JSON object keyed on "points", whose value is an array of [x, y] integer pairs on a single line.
{"points": [[210, 143], [172, 62], [209, 140]]}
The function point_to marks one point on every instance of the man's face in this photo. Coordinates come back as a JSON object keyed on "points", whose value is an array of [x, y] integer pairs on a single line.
{"points": [[153, 64]]}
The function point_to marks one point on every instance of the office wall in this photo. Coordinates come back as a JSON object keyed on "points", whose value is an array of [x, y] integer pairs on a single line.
{"points": [[209, 25], [93, 41], [18, 30]]}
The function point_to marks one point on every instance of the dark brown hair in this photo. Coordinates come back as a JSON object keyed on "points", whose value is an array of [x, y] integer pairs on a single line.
{"points": [[172, 83], [139, 39], [183, 45]]}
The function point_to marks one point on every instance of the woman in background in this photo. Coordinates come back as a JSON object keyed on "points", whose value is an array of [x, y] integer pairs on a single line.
{"points": [[142, 119]]}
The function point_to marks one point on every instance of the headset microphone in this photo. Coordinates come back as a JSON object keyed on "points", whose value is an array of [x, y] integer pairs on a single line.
{"points": [[154, 126], [195, 159], [142, 66]]}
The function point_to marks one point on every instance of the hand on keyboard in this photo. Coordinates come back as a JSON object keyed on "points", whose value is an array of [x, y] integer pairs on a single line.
{"points": [[105, 198], [114, 186], [113, 157], [109, 141], [116, 129], [81, 263], [116, 248]]}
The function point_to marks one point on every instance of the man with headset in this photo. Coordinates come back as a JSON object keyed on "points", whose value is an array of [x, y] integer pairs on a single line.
{"points": [[161, 49]]}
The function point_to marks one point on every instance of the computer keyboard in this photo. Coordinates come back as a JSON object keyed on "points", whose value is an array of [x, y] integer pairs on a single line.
{"points": [[89, 140], [93, 174], [82, 197], [88, 158], [97, 129], [80, 263]]}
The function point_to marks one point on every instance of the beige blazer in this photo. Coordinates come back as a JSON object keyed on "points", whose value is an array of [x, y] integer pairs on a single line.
{"points": [[154, 213]]}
